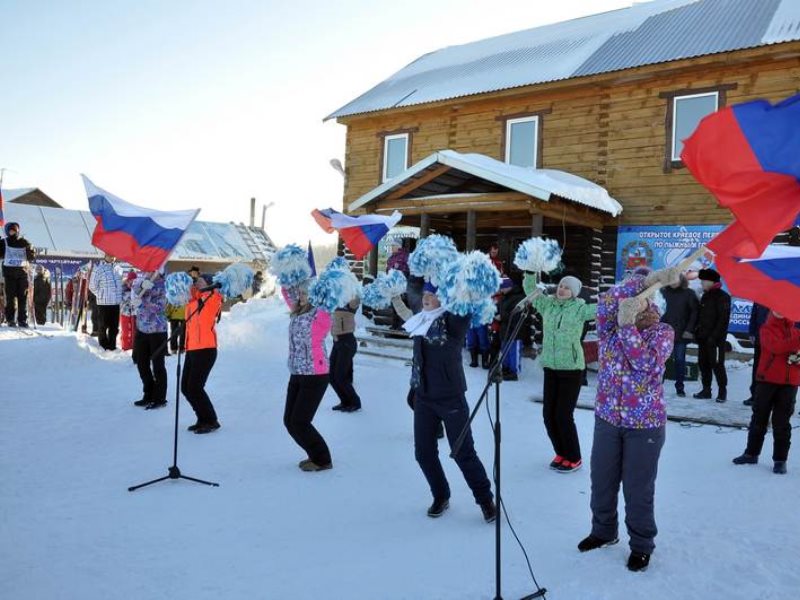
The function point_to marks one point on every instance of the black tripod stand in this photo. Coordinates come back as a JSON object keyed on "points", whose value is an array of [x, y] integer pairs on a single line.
{"points": [[495, 378], [174, 472]]}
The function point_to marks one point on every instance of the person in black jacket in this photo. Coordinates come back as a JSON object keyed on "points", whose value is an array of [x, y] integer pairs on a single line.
{"points": [[758, 316], [437, 377], [42, 291], [16, 253], [681, 315], [511, 288], [710, 333]]}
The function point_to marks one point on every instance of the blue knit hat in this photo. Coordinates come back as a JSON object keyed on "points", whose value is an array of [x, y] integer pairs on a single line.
{"points": [[429, 288]]}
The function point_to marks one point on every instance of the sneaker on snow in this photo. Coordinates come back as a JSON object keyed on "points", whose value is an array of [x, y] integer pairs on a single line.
{"points": [[592, 542], [156, 404], [207, 427], [438, 507], [311, 466], [556, 462], [568, 467], [780, 467], [638, 561], [143, 402], [745, 459], [702, 395], [489, 511]]}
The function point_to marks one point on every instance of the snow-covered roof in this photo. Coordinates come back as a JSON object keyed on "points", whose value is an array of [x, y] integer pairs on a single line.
{"points": [[64, 232], [539, 183], [644, 34]]}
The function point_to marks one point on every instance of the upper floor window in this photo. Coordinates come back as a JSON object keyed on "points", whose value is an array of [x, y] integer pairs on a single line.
{"points": [[687, 112], [395, 155], [522, 141]]}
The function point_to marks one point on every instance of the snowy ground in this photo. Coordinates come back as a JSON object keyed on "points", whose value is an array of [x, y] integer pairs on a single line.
{"points": [[71, 443]]}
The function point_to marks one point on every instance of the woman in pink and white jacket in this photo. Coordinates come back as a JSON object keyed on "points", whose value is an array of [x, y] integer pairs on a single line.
{"points": [[308, 380]]}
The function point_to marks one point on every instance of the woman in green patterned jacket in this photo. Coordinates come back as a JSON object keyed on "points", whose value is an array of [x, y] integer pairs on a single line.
{"points": [[563, 319]]}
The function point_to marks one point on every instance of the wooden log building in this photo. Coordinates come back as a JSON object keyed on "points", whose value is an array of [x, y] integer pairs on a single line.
{"points": [[569, 130]]}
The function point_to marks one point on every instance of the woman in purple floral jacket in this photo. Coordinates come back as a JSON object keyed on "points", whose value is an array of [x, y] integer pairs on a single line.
{"points": [[630, 417]]}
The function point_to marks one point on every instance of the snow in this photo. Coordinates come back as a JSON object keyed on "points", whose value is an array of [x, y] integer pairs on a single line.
{"points": [[71, 443]]}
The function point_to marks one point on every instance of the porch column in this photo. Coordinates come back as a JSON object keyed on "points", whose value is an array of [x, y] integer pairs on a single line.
{"points": [[372, 262], [424, 225], [471, 230], [537, 225]]}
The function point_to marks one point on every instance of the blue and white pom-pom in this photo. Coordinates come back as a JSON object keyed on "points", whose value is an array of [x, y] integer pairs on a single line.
{"points": [[334, 288], [339, 263], [432, 255], [378, 295], [467, 283], [483, 313], [178, 288], [290, 265], [538, 255], [234, 280]]}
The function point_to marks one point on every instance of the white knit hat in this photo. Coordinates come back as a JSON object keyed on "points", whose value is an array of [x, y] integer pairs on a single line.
{"points": [[573, 283]]}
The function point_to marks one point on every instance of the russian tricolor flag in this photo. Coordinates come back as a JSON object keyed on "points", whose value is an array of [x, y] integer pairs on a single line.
{"points": [[140, 236], [360, 234], [748, 156]]}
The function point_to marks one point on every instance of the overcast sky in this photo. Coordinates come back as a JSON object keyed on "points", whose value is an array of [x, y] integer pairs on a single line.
{"points": [[186, 104]]}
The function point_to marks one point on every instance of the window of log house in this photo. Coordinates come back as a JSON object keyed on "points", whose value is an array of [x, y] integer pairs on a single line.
{"points": [[395, 155], [522, 141], [687, 111]]}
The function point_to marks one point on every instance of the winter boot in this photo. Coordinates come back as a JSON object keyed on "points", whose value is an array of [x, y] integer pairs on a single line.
{"points": [[156, 404], [207, 427], [473, 354], [704, 394], [312, 467], [339, 406], [568, 467], [438, 507], [722, 395], [489, 511], [142, 402], [485, 360], [780, 467], [638, 561], [745, 459], [592, 542], [556, 462], [193, 427]]}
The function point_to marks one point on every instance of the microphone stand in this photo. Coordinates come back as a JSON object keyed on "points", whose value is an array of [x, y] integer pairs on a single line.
{"points": [[495, 377], [174, 472]]}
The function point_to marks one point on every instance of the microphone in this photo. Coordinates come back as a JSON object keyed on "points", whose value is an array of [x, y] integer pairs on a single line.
{"points": [[526, 301], [210, 288]]}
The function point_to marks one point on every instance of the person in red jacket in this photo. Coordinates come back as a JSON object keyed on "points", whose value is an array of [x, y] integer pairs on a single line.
{"points": [[202, 314], [777, 378]]}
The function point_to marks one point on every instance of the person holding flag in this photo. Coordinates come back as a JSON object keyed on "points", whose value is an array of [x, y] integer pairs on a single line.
{"points": [[16, 254]]}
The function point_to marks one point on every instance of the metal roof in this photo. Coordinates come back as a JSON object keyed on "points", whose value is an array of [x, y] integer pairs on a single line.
{"points": [[491, 175], [644, 34]]}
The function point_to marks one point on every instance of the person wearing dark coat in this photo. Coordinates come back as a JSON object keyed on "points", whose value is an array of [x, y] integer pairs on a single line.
{"points": [[758, 316], [711, 333], [681, 315], [42, 294], [16, 254], [437, 378], [512, 296]]}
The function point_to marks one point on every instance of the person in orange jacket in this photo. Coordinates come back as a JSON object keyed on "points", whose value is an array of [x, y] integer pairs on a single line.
{"points": [[202, 314]]}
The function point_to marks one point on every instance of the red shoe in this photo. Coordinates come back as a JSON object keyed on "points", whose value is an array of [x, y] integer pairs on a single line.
{"points": [[556, 462], [569, 467]]}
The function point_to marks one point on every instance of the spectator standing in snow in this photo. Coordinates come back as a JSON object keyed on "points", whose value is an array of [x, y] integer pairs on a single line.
{"points": [[563, 318], [776, 391], [437, 377], [106, 285], [204, 309], [127, 318], [176, 315], [681, 315], [758, 316], [308, 379], [630, 416], [342, 354], [150, 341], [511, 296], [42, 294], [16, 254], [711, 334]]}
